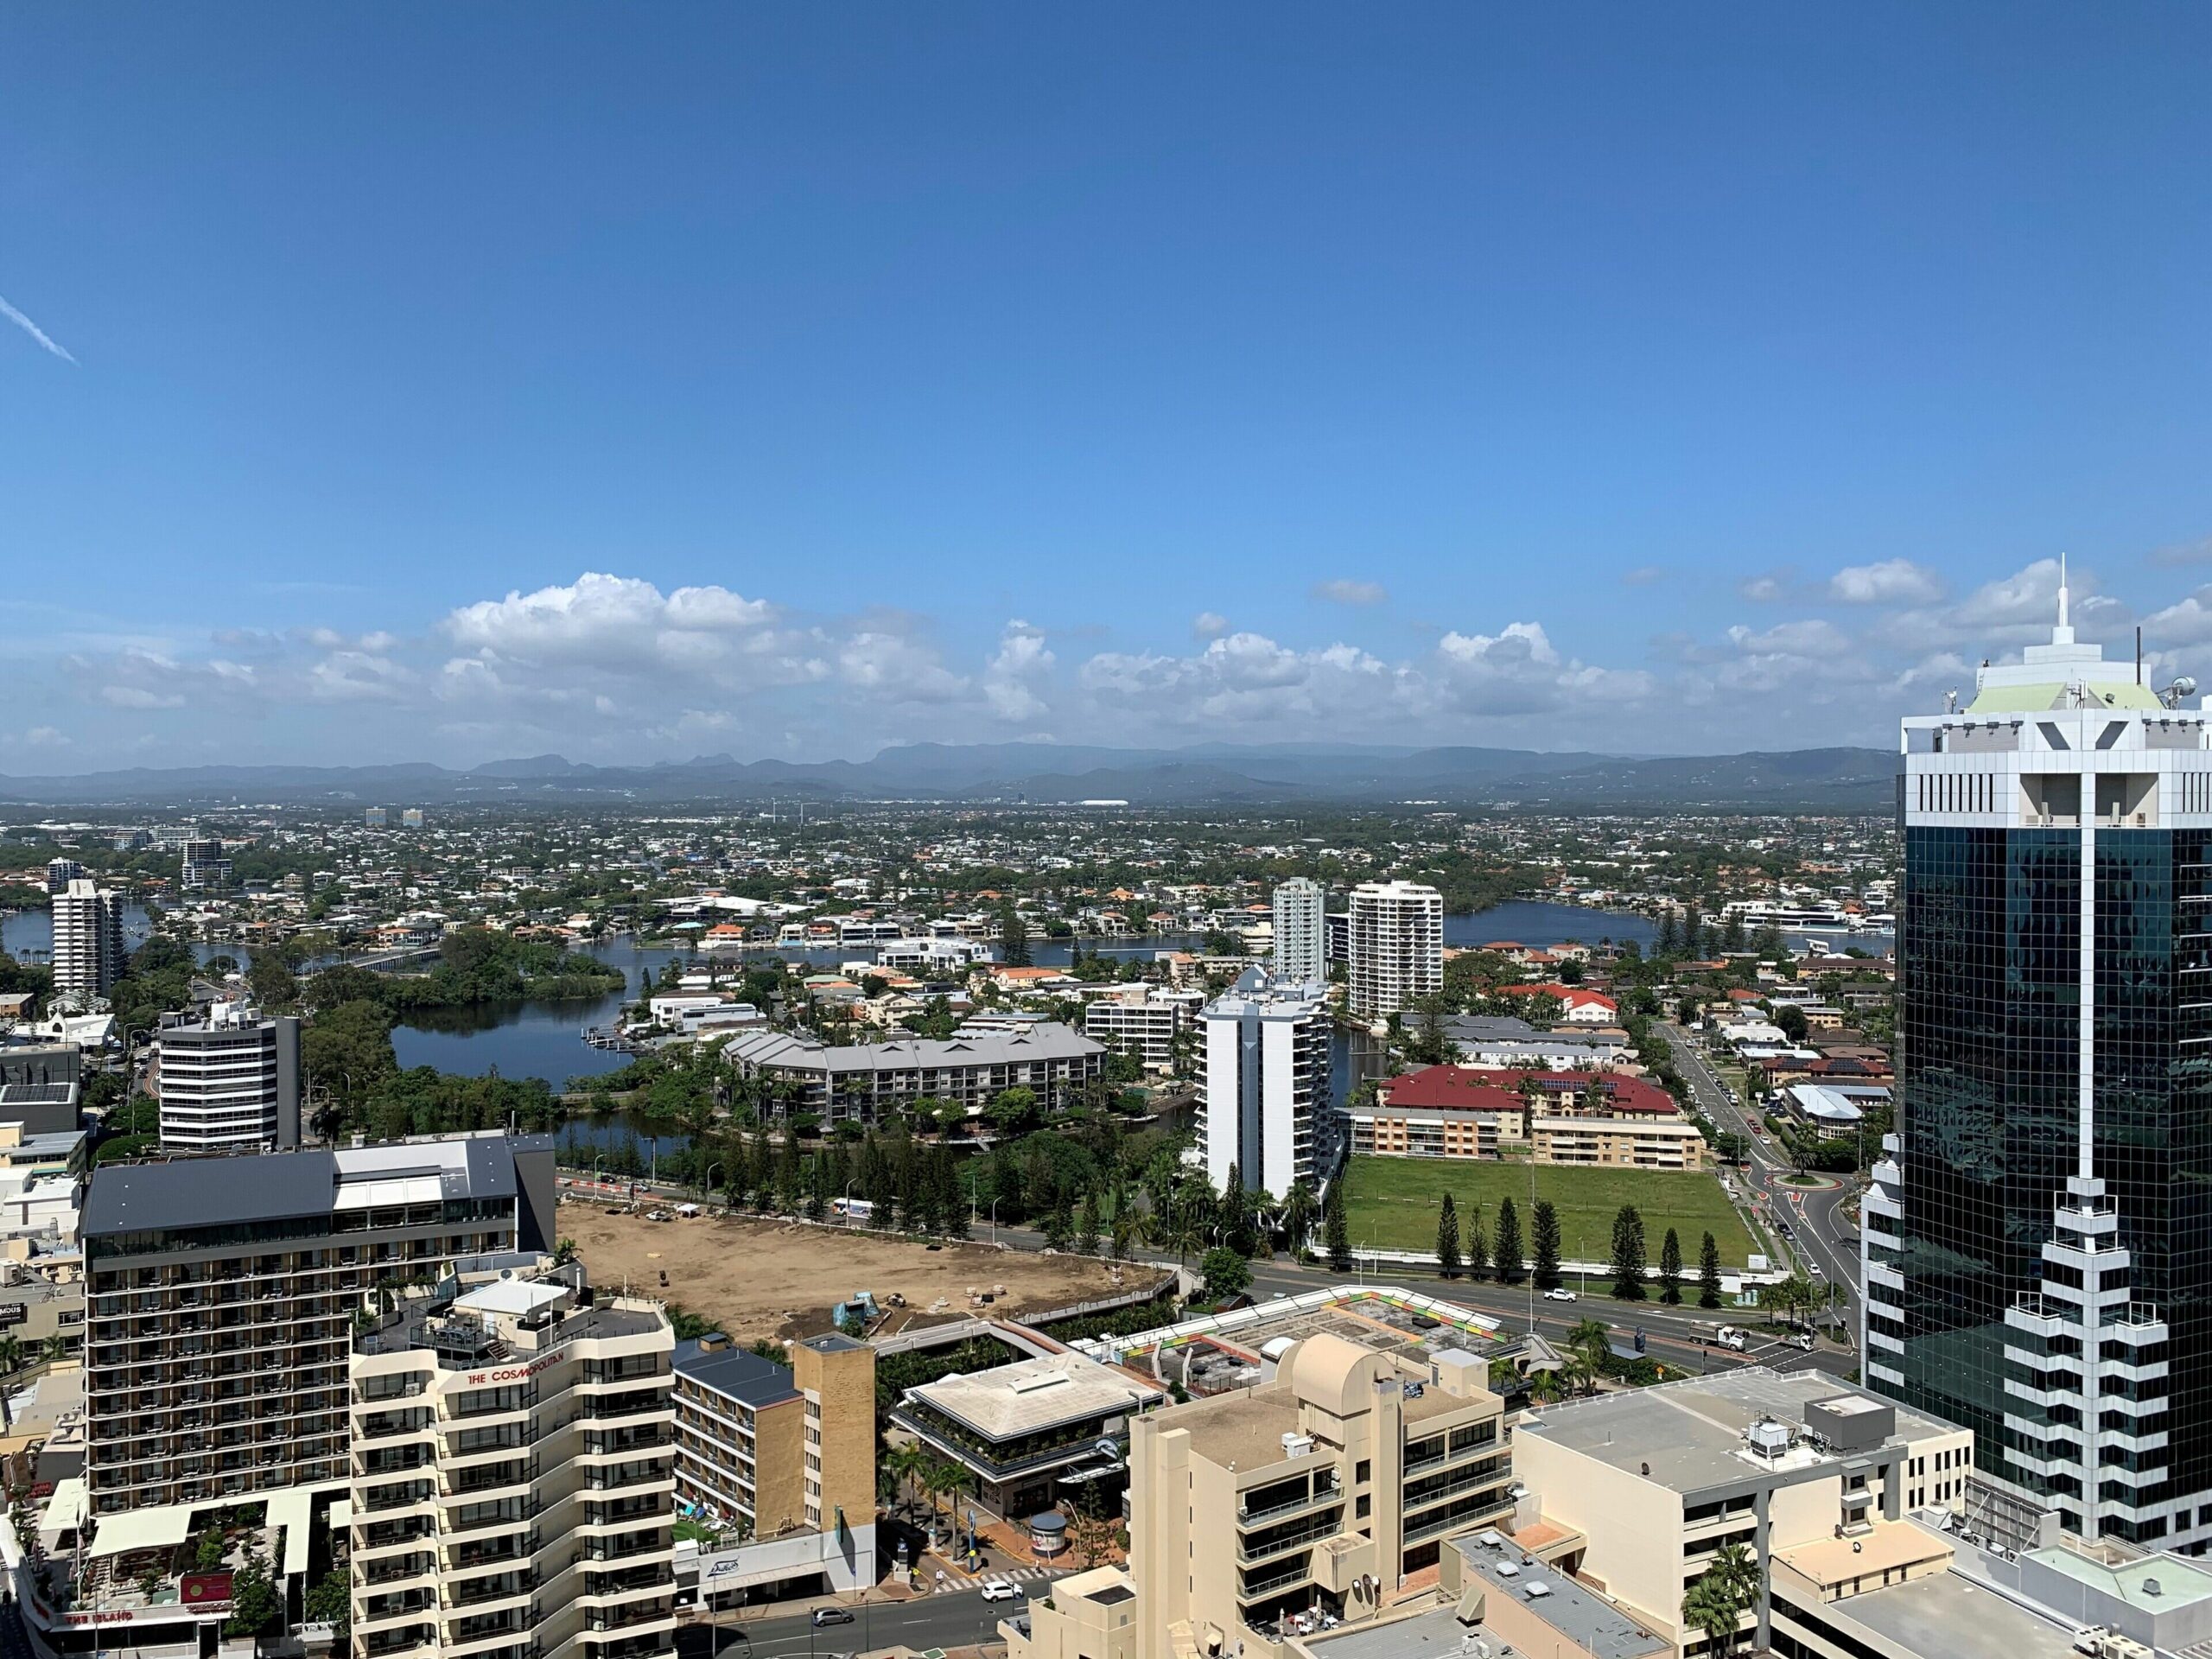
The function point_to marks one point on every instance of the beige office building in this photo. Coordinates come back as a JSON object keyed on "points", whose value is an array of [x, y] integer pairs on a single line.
{"points": [[1319, 1491], [1639, 1491], [513, 1471]]}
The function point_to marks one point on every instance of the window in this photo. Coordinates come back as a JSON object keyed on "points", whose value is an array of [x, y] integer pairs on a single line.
{"points": [[1363, 1471]]}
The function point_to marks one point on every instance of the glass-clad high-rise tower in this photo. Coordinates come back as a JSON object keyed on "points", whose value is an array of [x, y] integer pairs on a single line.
{"points": [[2038, 1244]]}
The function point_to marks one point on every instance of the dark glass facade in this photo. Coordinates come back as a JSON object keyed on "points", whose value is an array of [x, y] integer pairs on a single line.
{"points": [[1989, 1006]]}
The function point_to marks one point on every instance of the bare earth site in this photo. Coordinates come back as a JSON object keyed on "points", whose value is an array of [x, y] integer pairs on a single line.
{"points": [[780, 1279]]}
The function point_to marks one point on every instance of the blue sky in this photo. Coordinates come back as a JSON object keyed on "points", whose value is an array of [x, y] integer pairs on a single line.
{"points": [[453, 383]]}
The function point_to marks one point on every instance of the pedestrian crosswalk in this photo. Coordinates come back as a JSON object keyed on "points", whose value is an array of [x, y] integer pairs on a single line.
{"points": [[952, 1586]]}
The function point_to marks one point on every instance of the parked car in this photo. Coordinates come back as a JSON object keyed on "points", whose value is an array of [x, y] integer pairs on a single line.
{"points": [[999, 1590], [1558, 1293], [823, 1615]]}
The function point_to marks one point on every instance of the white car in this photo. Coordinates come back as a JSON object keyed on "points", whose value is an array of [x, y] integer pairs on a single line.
{"points": [[1558, 1293], [999, 1590]]}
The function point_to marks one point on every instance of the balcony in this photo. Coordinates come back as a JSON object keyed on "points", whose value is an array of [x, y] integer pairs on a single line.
{"points": [[1260, 1549], [1328, 1491]]}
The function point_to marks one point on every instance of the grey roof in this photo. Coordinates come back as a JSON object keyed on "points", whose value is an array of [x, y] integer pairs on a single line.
{"points": [[740, 1375], [1690, 1435], [208, 1192], [1047, 1041], [227, 1190], [1481, 1027], [1595, 1626], [1944, 1614]]}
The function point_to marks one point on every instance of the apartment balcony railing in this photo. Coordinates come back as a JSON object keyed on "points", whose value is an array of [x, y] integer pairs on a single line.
{"points": [[1326, 1491]]}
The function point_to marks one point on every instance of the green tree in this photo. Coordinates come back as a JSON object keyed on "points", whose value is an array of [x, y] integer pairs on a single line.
{"points": [[1670, 1268], [1716, 1602], [255, 1608], [1447, 1238], [1086, 1227], [1544, 1234], [1506, 1246], [1708, 1273], [1012, 1111], [1014, 937], [275, 985], [330, 1601], [1299, 1211], [1226, 1274], [1336, 1231], [1631, 1266], [1474, 1244]]}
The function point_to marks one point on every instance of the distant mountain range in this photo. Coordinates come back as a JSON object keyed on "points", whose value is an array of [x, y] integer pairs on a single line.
{"points": [[1820, 780]]}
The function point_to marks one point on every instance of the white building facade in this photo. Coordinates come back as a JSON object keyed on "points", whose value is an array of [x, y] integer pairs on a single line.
{"points": [[88, 955], [1265, 1104], [228, 1079], [1301, 937], [1396, 947]]}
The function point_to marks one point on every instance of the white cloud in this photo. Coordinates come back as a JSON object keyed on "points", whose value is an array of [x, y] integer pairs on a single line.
{"points": [[1209, 625], [1344, 591], [1009, 682], [2186, 623], [1761, 590], [33, 330], [1644, 576], [1892, 582]]}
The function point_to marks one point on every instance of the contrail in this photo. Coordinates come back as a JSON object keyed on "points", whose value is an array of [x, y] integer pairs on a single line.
{"points": [[33, 330]]}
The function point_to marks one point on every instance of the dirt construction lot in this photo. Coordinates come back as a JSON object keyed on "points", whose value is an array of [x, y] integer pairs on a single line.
{"points": [[775, 1279]]}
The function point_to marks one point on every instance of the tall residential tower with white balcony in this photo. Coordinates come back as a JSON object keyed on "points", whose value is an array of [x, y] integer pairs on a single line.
{"points": [[513, 1471], [1396, 947], [1301, 947]]}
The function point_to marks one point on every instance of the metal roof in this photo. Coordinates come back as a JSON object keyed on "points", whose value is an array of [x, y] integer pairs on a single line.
{"points": [[735, 1372]]}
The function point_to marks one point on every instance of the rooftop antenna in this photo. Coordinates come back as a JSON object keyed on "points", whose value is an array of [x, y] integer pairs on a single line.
{"points": [[2063, 633], [2139, 653]]}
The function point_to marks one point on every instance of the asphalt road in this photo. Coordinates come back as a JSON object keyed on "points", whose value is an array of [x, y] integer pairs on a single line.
{"points": [[1819, 1236], [958, 1619]]}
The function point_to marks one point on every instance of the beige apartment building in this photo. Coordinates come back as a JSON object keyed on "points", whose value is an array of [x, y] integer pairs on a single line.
{"points": [[1617, 1141], [513, 1471], [1318, 1492]]}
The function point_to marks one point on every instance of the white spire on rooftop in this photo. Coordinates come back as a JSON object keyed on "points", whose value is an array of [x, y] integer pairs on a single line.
{"points": [[2063, 633]]}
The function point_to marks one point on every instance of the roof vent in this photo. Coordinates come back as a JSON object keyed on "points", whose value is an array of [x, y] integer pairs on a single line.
{"points": [[2150, 1588]]}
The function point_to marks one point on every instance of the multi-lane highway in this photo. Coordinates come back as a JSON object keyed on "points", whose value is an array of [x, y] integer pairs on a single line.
{"points": [[956, 1618], [1814, 1215]]}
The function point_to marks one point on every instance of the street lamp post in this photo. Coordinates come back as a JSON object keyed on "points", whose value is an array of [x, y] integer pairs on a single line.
{"points": [[994, 1219]]}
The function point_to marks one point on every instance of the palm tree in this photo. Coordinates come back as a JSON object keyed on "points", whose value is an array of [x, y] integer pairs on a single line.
{"points": [[1589, 1345], [1712, 1608], [1545, 1388], [1301, 1210], [11, 1352], [902, 1463]]}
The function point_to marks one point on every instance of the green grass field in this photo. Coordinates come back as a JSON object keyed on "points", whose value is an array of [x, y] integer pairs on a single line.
{"points": [[1391, 1204]]}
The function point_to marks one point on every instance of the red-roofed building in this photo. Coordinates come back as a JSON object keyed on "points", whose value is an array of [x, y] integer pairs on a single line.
{"points": [[1562, 1117], [1576, 1005]]}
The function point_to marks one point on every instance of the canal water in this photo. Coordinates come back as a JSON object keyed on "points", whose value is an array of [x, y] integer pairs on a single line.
{"points": [[544, 1039]]}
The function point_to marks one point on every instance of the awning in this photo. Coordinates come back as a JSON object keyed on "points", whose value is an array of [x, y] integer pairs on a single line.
{"points": [[169, 1525]]}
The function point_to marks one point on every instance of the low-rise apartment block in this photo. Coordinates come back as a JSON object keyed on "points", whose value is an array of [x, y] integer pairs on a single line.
{"points": [[783, 1457], [857, 1082], [1558, 1117], [1143, 1021]]}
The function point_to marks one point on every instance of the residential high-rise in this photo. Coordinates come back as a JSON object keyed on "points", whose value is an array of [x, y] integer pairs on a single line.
{"points": [[376, 817], [1265, 1107], [228, 1078], [88, 955], [220, 1295], [60, 871], [204, 867], [2052, 1194], [1301, 931], [513, 1492], [410, 817], [1396, 946]]}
